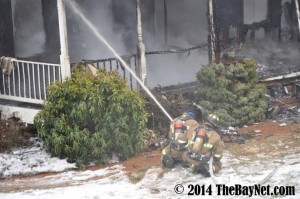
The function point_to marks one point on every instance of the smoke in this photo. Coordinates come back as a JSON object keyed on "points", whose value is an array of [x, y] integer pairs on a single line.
{"points": [[83, 44], [29, 32], [278, 58], [116, 21], [174, 68], [186, 27]]}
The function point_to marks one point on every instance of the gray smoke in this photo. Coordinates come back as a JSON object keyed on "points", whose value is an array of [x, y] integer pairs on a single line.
{"points": [[277, 58], [116, 21], [29, 32]]}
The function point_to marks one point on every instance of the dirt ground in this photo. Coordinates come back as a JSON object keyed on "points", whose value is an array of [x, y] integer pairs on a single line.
{"points": [[268, 138], [10, 135]]}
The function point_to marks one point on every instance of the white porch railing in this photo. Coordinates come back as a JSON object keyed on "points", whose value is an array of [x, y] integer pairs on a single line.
{"points": [[28, 81]]}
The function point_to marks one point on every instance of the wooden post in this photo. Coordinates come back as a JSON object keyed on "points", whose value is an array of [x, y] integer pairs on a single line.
{"points": [[140, 46], [298, 15], [64, 57], [213, 37]]}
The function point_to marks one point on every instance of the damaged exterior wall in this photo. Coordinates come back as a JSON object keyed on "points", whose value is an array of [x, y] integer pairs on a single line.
{"points": [[186, 25], [6, 29], [29, 34], [230, 15], [50, 17], [274, 14]]}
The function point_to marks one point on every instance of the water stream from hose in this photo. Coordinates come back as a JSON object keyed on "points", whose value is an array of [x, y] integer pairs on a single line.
{"points": [[76, 10]]}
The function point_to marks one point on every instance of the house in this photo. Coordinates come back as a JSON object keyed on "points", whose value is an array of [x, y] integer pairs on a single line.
{"points": [[266, 30]]}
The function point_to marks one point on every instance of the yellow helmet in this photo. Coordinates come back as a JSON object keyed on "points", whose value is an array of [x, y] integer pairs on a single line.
{"points": [[213, 119]]}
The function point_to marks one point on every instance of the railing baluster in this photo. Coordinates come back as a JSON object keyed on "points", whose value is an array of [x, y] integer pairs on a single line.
{"points": [[59, 71], [54, 68], [19, 78], [14, 89], [29, 81], [53, 75], [33, 78], [39, 81], [3, 83], [44, 81], [24, 83], [8, 85], [49, 81]]}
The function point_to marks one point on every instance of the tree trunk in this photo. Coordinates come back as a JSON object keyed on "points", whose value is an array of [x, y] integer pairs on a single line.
{"points": [[213, 37], [141, 69]]}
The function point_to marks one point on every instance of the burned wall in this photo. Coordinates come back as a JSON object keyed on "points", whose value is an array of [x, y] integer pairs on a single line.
{"points": [[186, 26], [6, 29], [274, 14], [51, 28], [116, 21], [230, 15], [124, 19], [187, 22], [29, 34]]}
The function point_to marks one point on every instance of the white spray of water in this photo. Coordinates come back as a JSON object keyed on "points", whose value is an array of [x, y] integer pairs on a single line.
{"points": [[103, 40]]}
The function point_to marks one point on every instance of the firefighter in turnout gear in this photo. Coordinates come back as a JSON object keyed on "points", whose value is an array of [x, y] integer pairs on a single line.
{"points": [[181, 130], [204, 144]]}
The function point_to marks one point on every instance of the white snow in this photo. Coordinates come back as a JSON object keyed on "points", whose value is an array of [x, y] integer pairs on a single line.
{"points": [[113, 182], [32, 160]]}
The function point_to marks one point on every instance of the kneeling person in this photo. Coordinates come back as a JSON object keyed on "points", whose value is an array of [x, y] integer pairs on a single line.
{"points": [[205, 142], [181, 130]]}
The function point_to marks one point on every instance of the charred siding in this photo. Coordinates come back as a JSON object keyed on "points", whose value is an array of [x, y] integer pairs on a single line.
{"points": [[50, 16], [6, 29]]}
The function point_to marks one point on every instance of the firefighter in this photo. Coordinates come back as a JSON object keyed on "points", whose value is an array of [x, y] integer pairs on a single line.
{"points": [[181, 130], [204, 144]]}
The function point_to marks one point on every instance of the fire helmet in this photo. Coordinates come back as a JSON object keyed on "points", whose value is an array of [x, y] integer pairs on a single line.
{"points": [[197, 111], [213, 119]]}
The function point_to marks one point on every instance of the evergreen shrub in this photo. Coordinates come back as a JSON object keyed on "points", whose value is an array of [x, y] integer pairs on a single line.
{"points": [[88, 119], [232, 92]]}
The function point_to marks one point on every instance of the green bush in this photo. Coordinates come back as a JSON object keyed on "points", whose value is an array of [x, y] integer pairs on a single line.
{"points": [[87, 119], [232, 92]]}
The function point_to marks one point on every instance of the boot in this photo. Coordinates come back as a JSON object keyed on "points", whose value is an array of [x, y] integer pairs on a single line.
{"points": [[203, 169], [185, 164], [167, 161]]}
